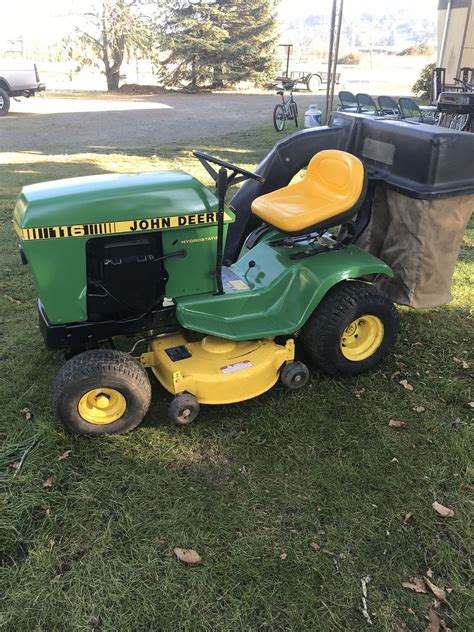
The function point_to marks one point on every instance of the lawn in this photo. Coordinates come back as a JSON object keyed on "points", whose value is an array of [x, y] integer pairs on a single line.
{"points": [[87, 541]]}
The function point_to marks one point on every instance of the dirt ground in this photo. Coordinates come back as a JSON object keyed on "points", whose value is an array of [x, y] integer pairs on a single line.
{"points": [[62, 123]]}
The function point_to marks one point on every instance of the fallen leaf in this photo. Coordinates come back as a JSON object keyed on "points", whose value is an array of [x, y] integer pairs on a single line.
{"points": [[463, 363], [429, 573], [417, 344], [283, 556], [48, 482], [315, 546], [439, 593], [15, 466], [434, 624], [394, 460], [471, 404], [444, 512], [406, 385], [188, 556], [328, 552], [407, 517], [11, 299], [397, 424], [417, 584], [394, 375], [26, 412], [359, 392], [65, 455], [3, 436], [419, 409]]}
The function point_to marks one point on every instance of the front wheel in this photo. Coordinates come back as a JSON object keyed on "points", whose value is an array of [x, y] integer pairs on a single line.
{"points": [[4, 102], [294, 113], [279, 118], [351, 330], [101, 392]]}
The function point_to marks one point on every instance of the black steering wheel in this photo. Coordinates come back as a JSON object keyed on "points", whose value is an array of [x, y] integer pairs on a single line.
{"points": [[205, 159]]}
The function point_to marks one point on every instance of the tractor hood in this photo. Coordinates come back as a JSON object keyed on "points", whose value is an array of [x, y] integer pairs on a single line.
{"points": [[113, 203]]}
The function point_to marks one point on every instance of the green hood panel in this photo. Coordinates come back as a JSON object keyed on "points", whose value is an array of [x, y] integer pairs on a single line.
{"points": [[112, 197], [281, 292]]}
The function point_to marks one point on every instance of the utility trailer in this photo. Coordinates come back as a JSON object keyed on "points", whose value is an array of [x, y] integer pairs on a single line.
{"points": [[310, 80]]}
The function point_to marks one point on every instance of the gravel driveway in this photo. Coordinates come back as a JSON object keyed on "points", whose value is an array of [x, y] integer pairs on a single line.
{"points": [[55, 125]]}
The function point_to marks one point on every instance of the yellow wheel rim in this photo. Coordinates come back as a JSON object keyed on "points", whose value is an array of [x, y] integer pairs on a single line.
{"points": [[361, 338], [102, 406]]}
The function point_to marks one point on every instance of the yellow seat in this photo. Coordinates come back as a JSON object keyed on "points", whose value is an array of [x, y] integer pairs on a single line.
{"points": [[331, 191]]}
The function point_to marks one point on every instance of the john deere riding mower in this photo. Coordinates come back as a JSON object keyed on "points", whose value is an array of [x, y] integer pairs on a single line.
{"points": [[115, 256]]}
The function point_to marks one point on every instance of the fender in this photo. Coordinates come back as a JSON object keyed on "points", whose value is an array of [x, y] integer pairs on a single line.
{"points": [[4, 84], [277, 294]]}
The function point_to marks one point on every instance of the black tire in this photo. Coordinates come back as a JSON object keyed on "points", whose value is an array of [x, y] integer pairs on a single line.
{"points": [[93, 370], [294, 375], [314, 83], [294, 113], [4, 102], [279, 118], [183, 409], [322, 335]]}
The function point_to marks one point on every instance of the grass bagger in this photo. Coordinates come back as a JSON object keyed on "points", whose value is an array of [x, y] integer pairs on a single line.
{"points": [[144, 255]]}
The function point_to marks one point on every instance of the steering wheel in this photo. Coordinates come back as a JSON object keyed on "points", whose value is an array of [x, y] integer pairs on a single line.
{"points": [[205, 159]]}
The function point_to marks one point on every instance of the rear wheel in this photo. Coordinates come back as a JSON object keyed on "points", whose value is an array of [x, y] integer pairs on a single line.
{"points": [[101, 392], [351, 330], [314, 83], [279, 117], [4, 102]]}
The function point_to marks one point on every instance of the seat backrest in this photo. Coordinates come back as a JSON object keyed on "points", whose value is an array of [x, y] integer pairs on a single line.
{"points": [[347, 99], [387, 104], [366, 103], [337, 174], [409, 109]]}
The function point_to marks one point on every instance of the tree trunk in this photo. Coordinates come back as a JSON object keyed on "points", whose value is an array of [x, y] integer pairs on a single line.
{"points": [[217, 79], [113, 78]]}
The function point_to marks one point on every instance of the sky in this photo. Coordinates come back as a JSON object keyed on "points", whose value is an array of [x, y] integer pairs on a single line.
{"points": [[55, 18]]}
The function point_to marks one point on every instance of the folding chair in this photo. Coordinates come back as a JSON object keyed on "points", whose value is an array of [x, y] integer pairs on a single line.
{"points": [[348, 102], [388, 105], [411, 111], [366, 104]]}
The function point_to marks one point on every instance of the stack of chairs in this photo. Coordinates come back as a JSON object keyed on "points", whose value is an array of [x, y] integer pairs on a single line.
{"points": [[405, 108]]}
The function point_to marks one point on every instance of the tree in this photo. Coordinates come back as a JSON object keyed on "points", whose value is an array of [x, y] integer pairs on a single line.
{"points": [[108, 32], [193, 39], [423, 86], [249, 49], [219, 42]]}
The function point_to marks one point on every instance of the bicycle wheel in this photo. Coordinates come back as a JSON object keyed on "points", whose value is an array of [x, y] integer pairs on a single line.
{"points": [[279, 117], [460, 122], [294, 113]]}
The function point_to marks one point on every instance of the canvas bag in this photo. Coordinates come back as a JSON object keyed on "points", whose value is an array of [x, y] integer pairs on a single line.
{"points": [[420, 241]]}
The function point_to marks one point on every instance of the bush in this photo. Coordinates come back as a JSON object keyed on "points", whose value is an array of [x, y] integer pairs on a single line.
{"points": [[351, 59], [422, 86], [418, 50]]}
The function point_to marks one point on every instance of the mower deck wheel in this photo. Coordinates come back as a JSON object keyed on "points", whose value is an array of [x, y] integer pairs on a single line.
{"points": [[294, 375], [101, 392], [183, 409]]}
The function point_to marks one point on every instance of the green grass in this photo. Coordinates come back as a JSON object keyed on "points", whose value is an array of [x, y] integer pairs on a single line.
{"points": [[243, 485]]}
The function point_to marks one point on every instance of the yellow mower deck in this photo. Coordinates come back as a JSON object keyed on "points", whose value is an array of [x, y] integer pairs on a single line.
{"points": [[216, 370]]}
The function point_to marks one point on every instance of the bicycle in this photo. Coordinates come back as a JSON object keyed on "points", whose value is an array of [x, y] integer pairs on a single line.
{"points": [[459, 122], [287, 110]]}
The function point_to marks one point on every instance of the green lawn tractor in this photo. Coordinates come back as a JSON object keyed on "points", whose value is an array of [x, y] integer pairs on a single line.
{"points": [[115, 256]]}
